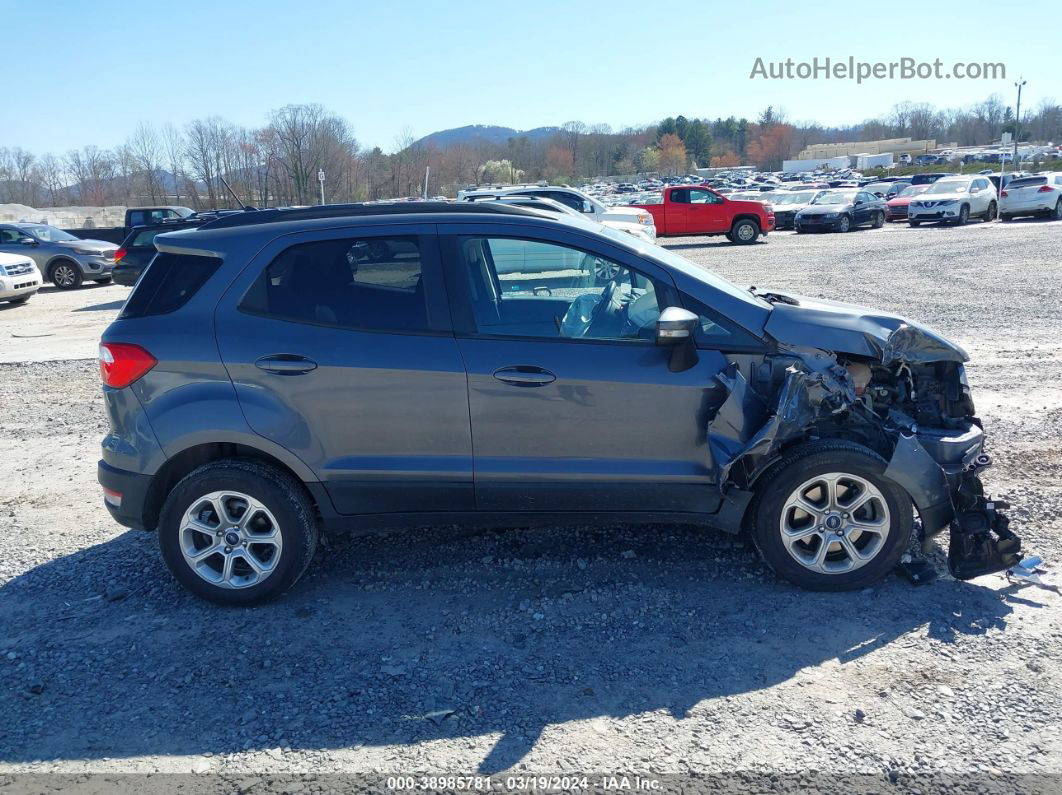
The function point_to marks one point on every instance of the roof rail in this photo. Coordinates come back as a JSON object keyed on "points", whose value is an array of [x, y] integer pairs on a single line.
{"points": [[275, 215]]}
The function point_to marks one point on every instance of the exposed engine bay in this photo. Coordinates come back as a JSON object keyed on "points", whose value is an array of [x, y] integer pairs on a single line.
{"points": [[901, 392]]}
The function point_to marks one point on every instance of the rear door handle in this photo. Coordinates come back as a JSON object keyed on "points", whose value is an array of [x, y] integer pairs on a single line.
{"points": [[525, 375], [285, 364]]}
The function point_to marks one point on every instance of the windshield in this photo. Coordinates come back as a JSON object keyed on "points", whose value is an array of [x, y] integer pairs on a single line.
{"points": [[947, 186], [836, 197], [914, 190], [800, 197], [49, 234]]}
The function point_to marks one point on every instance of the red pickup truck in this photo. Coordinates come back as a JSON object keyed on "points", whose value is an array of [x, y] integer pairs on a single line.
{"points": [[699, 210]]}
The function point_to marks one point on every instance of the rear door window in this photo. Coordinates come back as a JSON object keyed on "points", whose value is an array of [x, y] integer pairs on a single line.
{"points": [[370, 284]]}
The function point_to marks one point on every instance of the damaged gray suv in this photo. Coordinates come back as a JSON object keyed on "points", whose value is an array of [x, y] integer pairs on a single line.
{"points": [[280, 373]]}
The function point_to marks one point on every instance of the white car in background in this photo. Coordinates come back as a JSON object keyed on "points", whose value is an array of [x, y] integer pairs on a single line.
{"points": [[524, 256], [19, 278], [954, 200], [587, 206], [1039, 194]]}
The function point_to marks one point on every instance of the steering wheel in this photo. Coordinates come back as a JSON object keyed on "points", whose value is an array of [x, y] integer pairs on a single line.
{"points": [[584, 311], [602, 304]]}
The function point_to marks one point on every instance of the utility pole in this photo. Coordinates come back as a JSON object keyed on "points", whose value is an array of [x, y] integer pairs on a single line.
{"points": [[427, 175], [1017, 121], [320, 178]]}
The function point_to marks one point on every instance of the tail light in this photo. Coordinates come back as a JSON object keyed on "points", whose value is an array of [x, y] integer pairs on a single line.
{"points": [[119, 254], [1045, 189], [1003, 194], [122, 363]]}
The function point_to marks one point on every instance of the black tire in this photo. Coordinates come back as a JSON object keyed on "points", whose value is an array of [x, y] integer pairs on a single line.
{"points": [[744, 232], [20, 300], [105, 280], [844, 224], [1057, 214], [878, 221], [798, 466], [1006, 217], [281, 494], [914, 223], [65, 274], [990, 213], [964, 216]]}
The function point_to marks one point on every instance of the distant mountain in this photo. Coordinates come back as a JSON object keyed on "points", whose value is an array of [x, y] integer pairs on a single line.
{"points": [[481, 133]]}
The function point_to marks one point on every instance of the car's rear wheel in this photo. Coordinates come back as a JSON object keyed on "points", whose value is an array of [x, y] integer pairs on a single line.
{"points": [[237, 532], [826, 518], [990, 213], [1006, 217], [1057, 214], [65, 275], [744, 232], [878, 221], [844, 224]]}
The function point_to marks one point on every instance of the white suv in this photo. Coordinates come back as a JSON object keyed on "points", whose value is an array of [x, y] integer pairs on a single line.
{"points": [[953, 200], [587, 206], [1040, 194], [19, 278]]}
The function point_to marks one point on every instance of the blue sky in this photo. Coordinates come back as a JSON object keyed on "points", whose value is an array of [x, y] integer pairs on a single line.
{"points": [[93, 70]]}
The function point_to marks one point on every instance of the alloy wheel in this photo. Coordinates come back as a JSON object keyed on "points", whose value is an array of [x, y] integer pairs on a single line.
{"points": [[834, 523], [230, 539], [64, 275]]}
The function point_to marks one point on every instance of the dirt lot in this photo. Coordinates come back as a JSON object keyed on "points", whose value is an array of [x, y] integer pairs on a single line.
{"points": [[653, 651]]}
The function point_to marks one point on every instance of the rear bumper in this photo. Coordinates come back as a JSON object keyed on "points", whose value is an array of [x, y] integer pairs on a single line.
{"points": [[126, 276], [124, 494]]}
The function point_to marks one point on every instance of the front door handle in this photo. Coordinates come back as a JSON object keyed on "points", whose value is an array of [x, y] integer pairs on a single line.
{"points": [[285, 364], [525, 375]]}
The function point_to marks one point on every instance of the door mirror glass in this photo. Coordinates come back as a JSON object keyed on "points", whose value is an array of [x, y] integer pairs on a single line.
{"points": [[587, 206], [27, 241]]}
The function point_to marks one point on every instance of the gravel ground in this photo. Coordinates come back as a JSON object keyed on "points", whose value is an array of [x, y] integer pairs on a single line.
{"points": [[654, 651]]}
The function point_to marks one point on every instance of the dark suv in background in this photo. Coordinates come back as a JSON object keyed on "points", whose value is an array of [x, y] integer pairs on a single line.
{"points": [[276, 373]]}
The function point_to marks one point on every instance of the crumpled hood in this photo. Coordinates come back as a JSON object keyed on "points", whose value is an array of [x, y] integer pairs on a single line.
{"points": [[855, 330]]}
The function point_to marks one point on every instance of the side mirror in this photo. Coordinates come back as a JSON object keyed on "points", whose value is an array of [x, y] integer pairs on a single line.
{"points": [[587, 206], [27, 241], [857, 202], [674, 329]]}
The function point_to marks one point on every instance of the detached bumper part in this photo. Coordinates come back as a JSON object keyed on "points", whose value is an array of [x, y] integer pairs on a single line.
{"points": [[981, 539]]}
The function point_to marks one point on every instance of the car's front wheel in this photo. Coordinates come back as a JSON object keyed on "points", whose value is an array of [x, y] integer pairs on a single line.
{"points": [[825, 517], [237, 532], [844, 224], [964, 215], [744, 232], [65, 275]]}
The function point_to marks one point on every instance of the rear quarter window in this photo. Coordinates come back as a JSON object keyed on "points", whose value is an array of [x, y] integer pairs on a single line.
{"points": [[169, 283]]}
